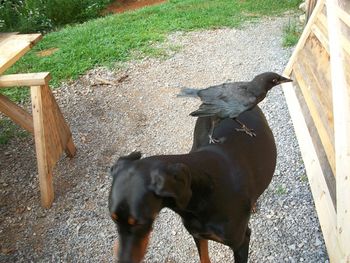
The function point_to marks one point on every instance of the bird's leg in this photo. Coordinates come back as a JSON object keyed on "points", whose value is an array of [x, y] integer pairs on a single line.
{"points": [[214, 123], [244, 128]]}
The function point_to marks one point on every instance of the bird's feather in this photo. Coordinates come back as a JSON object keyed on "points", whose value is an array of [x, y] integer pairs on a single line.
{"points": [[188, 92]]}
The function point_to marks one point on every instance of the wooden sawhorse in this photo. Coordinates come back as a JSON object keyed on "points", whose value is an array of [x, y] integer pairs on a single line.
{"points": [[51, 133]]}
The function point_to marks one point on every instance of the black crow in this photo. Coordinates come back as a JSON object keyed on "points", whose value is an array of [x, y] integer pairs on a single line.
{"points": [[229, 100]]}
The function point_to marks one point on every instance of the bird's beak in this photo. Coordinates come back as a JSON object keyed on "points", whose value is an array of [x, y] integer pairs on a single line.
{"points": [[283, 80]]}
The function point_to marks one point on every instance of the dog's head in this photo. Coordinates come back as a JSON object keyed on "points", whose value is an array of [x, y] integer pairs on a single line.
{"points": [[140, 189]]}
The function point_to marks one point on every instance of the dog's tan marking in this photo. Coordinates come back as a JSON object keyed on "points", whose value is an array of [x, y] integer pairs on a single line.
{"points": [[131, 221], [114, 216]]}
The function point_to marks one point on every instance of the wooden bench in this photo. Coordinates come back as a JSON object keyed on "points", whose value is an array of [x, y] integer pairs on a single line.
{"points": [[51, 132]]}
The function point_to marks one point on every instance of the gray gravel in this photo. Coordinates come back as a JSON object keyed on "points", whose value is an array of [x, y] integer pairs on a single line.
{"points": [[141, 112]]}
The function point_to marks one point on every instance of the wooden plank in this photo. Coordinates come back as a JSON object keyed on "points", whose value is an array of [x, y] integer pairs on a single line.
{"points": [[70, 148], [16, 113], [317, 72], [29, 79], [324, 136], [310, 7], [347, 70], [62, 128], [320, 192], [318, 69], [345, 43], [341, 109], [3, 36], [303, 37], [41, 145], [343, 39], [321, 155], [14, 47], [323, 20], [344, 16], [320, 36], [52, 126]]}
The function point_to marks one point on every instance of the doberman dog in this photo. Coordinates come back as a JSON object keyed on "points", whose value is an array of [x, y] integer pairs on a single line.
{"points": [[212, 188]]}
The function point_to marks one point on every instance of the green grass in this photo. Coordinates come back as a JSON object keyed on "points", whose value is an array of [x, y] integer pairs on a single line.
{"points": [[280, 190], [113, 39], [9, 130], [291, 34], [303, 178]]}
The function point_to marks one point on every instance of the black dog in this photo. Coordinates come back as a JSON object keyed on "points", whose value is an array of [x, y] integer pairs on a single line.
{"points": [[212, 188]]}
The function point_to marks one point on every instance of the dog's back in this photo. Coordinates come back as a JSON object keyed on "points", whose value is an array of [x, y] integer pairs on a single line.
{"points": [[256, 156]]}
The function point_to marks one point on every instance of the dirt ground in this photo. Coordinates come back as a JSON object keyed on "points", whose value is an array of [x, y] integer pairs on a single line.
{"points": [[121, 6]]}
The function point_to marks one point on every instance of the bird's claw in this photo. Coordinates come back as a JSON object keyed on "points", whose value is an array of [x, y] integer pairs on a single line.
{"points": [[248, 131], [213, 140]]}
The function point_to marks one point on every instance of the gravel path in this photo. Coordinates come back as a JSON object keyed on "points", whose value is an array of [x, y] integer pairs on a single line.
{"points": [[141, 112]]}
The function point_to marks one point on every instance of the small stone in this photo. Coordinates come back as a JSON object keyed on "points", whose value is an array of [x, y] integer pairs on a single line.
{"points": [[302, 7], [318, 242]]}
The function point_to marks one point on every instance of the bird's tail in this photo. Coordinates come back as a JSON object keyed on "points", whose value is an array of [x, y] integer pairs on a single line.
{"points": [[188, 92]]}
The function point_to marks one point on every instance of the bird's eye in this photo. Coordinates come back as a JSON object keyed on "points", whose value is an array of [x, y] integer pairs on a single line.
{"points": [[275, 80]]}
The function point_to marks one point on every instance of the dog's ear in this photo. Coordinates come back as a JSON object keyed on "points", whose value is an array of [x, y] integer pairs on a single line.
{"points": [[174, 181], [124, 159]]}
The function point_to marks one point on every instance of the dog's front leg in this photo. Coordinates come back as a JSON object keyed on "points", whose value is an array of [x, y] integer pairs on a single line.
{"points": [[202, 246], [241, 254]]}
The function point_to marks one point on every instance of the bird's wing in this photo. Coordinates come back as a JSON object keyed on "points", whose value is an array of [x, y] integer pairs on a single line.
{"points": [[211, 93], [235, 91], [206, 110], [225, 100], [239, 92]]}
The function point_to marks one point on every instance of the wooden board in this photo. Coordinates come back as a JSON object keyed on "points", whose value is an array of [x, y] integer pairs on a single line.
{"points": [[28, 79], [3, 36], [16, 113], [13, 47]]}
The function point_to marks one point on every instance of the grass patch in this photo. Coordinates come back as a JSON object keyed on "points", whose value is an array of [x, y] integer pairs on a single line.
{"points": [[113, 39], [291, 34], [303, 178], [280, 190], [9, 130]]}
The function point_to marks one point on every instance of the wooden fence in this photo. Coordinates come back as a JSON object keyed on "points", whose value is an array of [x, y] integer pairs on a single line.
{"points": [[319, 104]]}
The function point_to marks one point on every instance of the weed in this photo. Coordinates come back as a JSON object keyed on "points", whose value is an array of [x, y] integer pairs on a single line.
{"points": [[291, 34], [303, 178], [8, 130], [280, 190]]}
